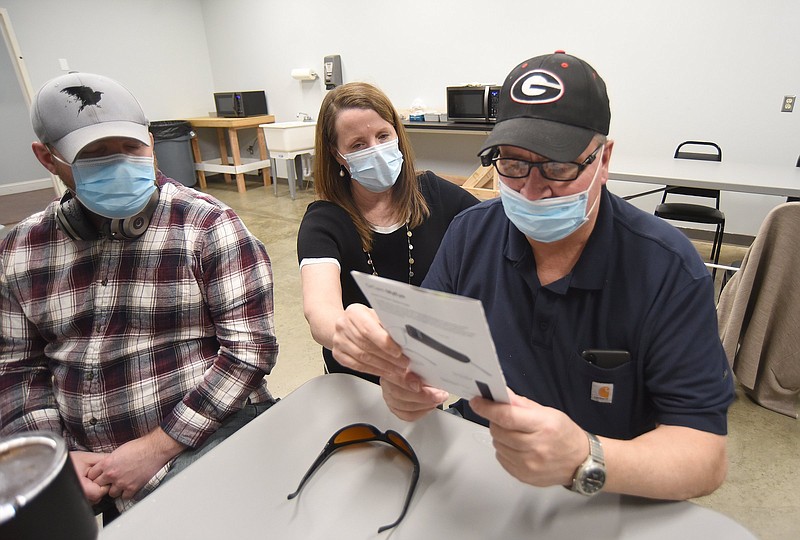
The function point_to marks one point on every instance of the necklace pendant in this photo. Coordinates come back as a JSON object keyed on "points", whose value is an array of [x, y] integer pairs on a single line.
{"points": [[369, 262]]}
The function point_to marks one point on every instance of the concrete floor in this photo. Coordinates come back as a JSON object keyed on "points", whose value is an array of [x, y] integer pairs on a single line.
{"points": [[761, 490]]}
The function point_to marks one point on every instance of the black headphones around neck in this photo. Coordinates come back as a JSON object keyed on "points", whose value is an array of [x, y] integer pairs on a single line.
{"points": [[71, 218]]}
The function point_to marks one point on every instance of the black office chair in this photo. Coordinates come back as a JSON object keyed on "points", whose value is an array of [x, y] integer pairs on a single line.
{"points": [[696, 213]]}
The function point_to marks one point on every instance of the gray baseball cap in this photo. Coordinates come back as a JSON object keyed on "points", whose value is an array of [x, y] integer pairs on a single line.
{"points": [[76, 109]]}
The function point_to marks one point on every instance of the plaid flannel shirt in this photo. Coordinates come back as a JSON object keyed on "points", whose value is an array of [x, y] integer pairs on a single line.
{"points": [[103, 341]]}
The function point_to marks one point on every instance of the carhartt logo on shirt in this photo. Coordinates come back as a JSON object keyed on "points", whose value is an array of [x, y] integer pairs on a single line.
{"points": [[602, 392]]}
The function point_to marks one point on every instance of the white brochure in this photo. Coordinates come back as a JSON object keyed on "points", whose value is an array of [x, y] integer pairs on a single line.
{"points": [[445, 336]]}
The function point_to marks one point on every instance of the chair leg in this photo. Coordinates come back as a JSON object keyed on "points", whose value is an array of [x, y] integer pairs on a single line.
{"points": [[721, 230], [716, 248]]}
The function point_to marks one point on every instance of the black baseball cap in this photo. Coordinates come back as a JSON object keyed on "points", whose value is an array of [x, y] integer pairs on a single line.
{"points": [[551, 105]]}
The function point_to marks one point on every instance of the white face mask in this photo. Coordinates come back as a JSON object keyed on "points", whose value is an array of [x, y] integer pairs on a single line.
{"points": [[549, 220], [376, 168]]}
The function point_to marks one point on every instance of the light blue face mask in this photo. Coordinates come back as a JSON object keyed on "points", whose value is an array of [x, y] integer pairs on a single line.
{"points": [[118, 186], [548, 220], [376, 168]]}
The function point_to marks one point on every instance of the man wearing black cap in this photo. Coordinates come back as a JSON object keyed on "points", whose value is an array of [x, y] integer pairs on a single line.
{"points": [[602, 315], [136, 315]]}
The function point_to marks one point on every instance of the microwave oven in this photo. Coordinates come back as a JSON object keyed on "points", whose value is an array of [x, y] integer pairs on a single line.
{"points": [[473, 103], [240, 104]]}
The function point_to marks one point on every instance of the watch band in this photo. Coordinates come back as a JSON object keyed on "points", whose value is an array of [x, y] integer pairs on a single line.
{"points": [[596, 449]]}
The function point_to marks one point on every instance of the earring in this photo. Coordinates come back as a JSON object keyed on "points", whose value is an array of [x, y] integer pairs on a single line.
{"points": [[342, 172]]}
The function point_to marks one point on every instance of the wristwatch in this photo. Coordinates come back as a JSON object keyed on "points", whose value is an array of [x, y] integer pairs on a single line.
{"points": [[591, 474]]}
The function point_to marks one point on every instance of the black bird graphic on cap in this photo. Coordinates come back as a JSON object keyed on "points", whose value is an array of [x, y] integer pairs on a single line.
{"points": [[86, 95]]}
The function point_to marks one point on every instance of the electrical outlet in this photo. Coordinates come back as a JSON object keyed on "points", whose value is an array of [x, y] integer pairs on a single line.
{"points": [[62, 62], [788, 103]]}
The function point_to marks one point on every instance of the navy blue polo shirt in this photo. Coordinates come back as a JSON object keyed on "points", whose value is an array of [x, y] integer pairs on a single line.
{"points": [[639, 286]]}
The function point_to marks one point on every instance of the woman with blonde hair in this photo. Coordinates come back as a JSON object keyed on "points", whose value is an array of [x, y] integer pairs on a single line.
{"points": [[374, 213]]}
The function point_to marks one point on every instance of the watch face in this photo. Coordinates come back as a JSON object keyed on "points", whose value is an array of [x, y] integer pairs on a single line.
{"points": [[592, 480]]}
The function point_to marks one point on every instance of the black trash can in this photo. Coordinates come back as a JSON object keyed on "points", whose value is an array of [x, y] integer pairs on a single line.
{"points": [[173, 149]]}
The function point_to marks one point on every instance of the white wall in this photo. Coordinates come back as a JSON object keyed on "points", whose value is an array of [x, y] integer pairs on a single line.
{"points": [[155, 48], [711, 70], [715, 69], [19, 169], [678, 70]]}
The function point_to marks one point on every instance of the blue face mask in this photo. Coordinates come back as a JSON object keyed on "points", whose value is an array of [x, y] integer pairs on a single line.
{"points": [[118, 186], [548, 220], [376, 168]]}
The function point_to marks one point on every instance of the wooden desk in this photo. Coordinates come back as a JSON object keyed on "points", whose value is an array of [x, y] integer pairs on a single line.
{"points": [[239, 489], [239, 166]]}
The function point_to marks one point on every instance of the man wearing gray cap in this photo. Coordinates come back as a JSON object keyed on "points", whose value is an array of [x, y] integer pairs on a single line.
{"points": [[136, 314], [602, 315]]}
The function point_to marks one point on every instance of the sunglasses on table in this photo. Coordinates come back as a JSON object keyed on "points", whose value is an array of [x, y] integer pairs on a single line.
{"points": [[365, 433]]}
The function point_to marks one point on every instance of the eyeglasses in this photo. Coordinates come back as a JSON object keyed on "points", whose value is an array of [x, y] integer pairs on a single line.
{"points": [[558, 171], [365, 433]]}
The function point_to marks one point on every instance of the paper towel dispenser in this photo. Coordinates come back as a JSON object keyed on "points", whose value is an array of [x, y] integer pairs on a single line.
{"points": [[304, 74]]}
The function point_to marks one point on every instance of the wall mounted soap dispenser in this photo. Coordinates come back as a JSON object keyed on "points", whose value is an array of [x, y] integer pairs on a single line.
{"points": [[333, 71]]}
